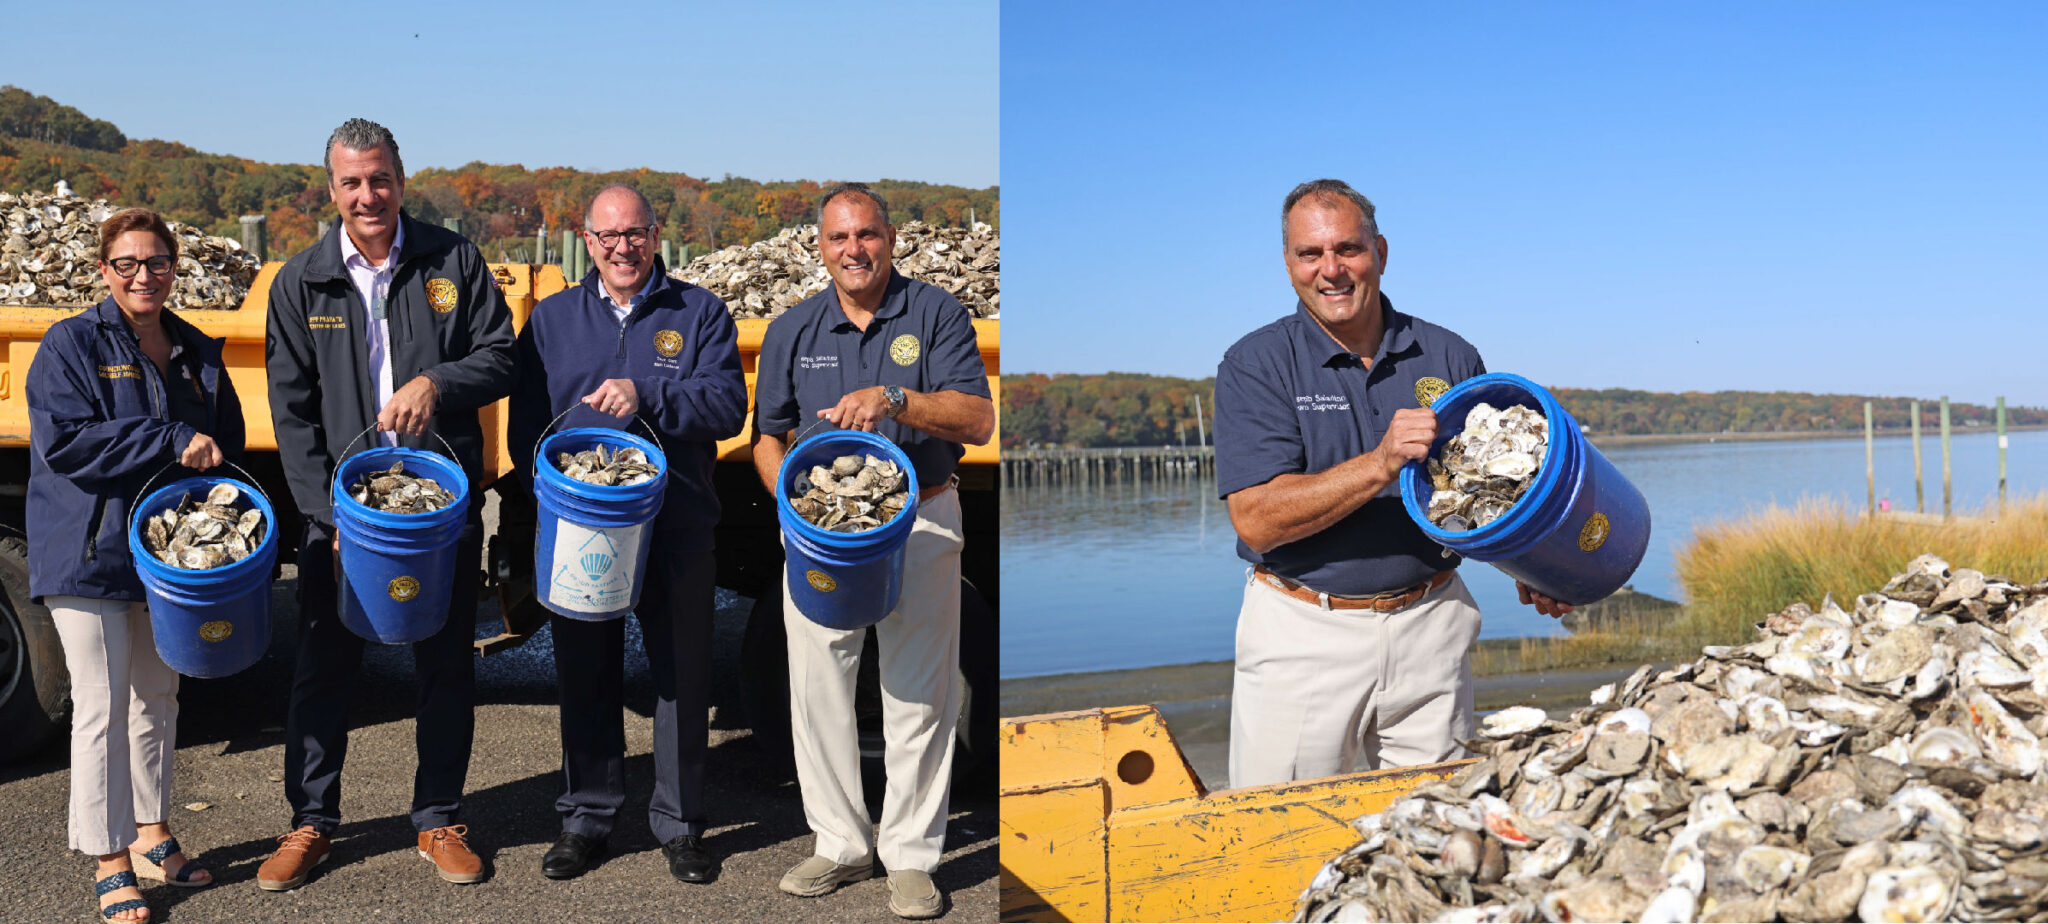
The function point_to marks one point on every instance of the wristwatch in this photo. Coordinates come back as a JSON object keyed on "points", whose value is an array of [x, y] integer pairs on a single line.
{"points": [[896, 400]]}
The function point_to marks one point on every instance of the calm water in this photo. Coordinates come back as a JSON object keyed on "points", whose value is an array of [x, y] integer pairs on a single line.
{"points": [[1118, 576]]}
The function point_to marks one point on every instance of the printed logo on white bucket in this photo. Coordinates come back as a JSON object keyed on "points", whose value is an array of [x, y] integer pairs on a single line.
{"points": [[594, 567]]}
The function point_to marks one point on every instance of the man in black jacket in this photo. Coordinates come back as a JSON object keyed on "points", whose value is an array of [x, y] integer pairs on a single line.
{"points": [[391, 324]]}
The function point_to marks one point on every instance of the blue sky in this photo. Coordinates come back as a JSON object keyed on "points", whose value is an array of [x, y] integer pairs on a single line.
{"points": [[1829, 197], [898, 90]]}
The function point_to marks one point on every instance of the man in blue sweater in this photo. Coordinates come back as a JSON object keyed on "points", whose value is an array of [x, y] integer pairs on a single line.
{"points": [[629, 341]]}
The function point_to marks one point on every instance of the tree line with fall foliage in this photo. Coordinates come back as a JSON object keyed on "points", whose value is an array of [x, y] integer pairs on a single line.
{"points": [[500, 206], [1132, 409]]}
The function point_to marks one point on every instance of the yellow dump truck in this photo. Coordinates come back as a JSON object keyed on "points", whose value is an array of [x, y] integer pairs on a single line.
{"points": [[1104, 820], [34, 684]]}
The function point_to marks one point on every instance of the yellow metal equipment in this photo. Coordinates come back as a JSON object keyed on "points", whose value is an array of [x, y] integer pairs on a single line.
{"points": [[1103, 820]]}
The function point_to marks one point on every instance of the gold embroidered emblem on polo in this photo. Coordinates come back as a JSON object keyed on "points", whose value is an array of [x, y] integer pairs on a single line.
{"points": [[1429, 388], [441, 294], [904, 349], [668, 343]]}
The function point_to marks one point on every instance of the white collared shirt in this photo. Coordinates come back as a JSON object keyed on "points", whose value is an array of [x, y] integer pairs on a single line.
{"points": [[623, 310], [373, 283]]}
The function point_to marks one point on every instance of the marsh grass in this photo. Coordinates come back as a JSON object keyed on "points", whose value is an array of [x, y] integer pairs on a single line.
{"points": [[1737, 571]]}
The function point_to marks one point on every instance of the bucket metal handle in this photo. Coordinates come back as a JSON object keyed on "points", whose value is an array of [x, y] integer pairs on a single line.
{"points": [[366, 432], [136, 506], [641, 418]]}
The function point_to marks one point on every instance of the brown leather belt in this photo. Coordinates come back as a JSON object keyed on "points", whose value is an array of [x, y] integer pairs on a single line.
{"points": [[1385, 602], [925, 494]]}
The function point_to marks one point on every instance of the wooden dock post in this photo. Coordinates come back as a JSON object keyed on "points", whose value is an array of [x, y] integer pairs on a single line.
{"points": [[1919, 487], [1947, 494], [253, 239]]}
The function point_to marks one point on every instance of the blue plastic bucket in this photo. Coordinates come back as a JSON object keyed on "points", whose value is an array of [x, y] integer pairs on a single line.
{"points": [[1578, 532], [843, 580], [397, 569], [212, 622], [593, 541]]}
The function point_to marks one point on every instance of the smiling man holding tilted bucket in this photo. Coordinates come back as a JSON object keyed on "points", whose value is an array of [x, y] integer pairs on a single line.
{"points": [[628, 346], [1354, 637], [879, 353]]}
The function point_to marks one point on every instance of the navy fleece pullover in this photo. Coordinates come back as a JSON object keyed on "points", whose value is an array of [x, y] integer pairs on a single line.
{"points": [[680, 349]]}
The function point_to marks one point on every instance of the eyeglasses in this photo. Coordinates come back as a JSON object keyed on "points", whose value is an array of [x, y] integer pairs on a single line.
{"points": [[159, 265], [633, 237]]}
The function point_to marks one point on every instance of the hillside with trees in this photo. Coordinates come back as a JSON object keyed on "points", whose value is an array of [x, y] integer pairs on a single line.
{"points": [[501, 206], [1130, 409]]}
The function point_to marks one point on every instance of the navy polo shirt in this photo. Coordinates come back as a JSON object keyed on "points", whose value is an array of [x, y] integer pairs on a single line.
{"points": [[1291, 400], [920, 339]]}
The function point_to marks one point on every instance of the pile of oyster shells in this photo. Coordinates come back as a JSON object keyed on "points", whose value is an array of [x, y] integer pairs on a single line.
{"points": [[394, 491], [1883, 763], [1482, 471], [49, 257], [763, 279], [603, 466], [197, 536], [855, 494]]}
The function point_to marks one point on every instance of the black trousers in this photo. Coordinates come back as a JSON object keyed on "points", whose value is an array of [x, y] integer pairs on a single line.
{"points": [[330, 656], [675, 622]]}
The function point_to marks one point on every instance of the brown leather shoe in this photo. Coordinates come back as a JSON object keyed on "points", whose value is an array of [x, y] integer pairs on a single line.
{"points": [[297, 853], [451, 854]]}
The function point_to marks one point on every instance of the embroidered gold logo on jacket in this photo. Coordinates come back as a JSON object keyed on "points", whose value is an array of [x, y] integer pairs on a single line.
{"points": [[441, 294], [1429, 388], [668, 343], [326, 321], [120, 372], [903, 350]]}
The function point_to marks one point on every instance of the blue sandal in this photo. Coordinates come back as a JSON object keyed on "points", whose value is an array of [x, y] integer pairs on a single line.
{"points": [[151, 865], [124, 879]]}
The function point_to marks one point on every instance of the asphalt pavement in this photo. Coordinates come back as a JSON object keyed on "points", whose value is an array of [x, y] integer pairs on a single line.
{"points": [[229, 808]]}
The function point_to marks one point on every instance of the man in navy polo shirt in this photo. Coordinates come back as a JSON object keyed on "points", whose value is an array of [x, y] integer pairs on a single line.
{"points": [[878, 352], [629, 341], [1352, 643]]}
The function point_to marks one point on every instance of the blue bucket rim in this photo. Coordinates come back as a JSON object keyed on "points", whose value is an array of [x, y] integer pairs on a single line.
{"points": [[546, 470], [1415, 478], [153, 569], [458, 484], [809, 532]]}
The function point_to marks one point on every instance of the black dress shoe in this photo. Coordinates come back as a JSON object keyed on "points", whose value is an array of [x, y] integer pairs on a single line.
{"points": [[689, 861], [569, 857]]}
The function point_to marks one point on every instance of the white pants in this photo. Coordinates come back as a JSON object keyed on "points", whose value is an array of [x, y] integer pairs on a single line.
{"points": [[919, 646], [124, 720], [1318, 692]]}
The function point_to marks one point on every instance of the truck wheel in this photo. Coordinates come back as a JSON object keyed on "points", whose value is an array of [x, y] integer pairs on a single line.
{"points": [[34, 684], [764, 661]]}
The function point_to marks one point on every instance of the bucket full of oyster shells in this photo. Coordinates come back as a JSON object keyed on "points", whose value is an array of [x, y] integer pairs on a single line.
{"points": [[204, 548], [846, 575], [1512, 481], [397, 515], [597, 491]]}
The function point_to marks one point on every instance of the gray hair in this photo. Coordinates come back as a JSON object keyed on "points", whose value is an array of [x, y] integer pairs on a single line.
{"points": [[840, 189], [361, 135], [1328, 189], [646, 207]]}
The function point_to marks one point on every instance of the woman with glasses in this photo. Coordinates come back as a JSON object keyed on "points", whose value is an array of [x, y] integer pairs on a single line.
{"points": [[116, 395]]}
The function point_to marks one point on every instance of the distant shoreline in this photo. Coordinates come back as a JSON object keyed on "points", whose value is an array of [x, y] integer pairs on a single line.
{"points": [[1643, 439]]}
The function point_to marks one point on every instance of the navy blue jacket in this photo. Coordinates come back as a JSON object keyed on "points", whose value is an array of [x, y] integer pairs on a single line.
{"points": [[99, 428], [447, 322], [681, 350]]}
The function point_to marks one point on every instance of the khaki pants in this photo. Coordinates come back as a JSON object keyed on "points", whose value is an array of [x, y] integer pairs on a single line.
{"points": [[919, 647], [1319, 692], [124, 720]]}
